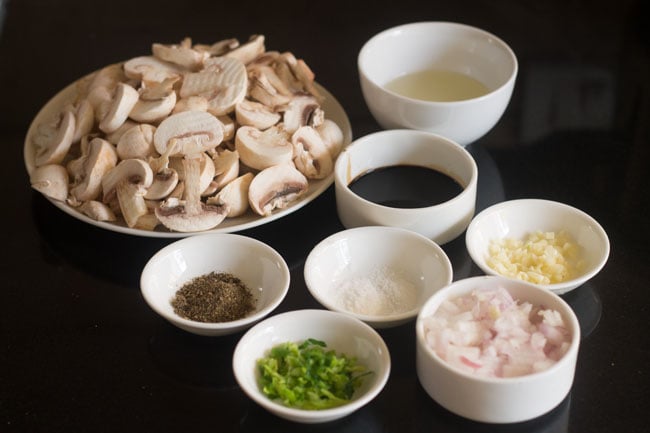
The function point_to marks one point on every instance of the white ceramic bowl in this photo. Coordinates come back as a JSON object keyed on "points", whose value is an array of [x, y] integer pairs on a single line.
{"points": [[496, 400], [442, 222], [259, 266], [517, 218], [345, 262], [448, 46], [342, 333]]}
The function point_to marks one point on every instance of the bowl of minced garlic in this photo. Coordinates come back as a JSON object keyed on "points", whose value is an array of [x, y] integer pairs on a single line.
{"points": [[542, 242]]}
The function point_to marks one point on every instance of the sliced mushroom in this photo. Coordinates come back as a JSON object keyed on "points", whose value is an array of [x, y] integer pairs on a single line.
{"points": [[51, 180], [226, 166], [84, 119], [149, 69], [101, 158], [100, 99], [218, 48], [228, 127], [137, 142], [261, 149], [53, 140], [191, 214], [182, 54], [332, 137], [108, 77], [223, 82], [130, 196], [302, 110], [266, 87], [115, 136], [234, 195], [256, 114], [191, 131], [206, 173], [275, 187], [148, 221], [123, 102], [163, 184], [303, 74], [247, 52], [97, 210], [191, 103], [155, 103], [134, 170], [310, 155]]}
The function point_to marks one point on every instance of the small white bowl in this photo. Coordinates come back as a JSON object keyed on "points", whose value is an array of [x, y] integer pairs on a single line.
{"points": [[260, 267], [496, 400], [354, 255], [441, 222], [448, 46], [342, 333], [518, 218]]}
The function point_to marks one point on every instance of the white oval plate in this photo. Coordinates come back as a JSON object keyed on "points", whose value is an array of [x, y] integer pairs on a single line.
{"points": [[333, 111]]}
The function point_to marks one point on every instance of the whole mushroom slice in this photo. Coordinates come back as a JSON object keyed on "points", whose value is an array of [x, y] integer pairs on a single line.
{"points": [[137, 142], [256, 114], [123, 102], [149, 69], [54, 139], [51, 180], [234, 195], [302, 110], [310, 155], [163, 184], [180, 54], [223, 82], [190, 131], [261, 149], [276, 187], [190, 214], [101, 158], [136, 171]]}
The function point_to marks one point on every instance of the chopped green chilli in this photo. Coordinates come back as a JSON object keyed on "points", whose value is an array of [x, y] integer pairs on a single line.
{"points": [[309, 376]]}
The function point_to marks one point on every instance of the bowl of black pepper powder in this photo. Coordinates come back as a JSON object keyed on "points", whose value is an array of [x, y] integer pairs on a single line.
{"points": [[215, 284]]}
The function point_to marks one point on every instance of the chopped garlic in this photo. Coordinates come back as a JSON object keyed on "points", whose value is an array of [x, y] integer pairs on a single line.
{"points": [[541, 258]]}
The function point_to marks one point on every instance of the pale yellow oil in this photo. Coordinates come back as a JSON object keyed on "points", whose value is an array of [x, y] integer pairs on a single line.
{"points": [[437, 85]]}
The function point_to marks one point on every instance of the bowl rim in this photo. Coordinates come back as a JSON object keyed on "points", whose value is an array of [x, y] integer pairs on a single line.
{"points": [[432, 137], [361, 400], [393, 31], [146, 289], [443, 259], [568, 315], [581, 279]]}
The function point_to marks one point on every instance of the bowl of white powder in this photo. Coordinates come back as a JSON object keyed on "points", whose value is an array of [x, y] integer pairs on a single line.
{"points": [[380, 275], [496, 350]]}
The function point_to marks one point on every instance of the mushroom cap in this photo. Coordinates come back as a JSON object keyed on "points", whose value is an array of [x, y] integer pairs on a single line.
{"points": [[261, 149], [191, 131], [173, 214], [275, 187]]}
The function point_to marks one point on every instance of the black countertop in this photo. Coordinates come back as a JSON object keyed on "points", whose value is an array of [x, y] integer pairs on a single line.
{"points": [[81, 351]]}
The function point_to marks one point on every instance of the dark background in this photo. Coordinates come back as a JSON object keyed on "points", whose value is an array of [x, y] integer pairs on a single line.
{"points": [[81, 351]]}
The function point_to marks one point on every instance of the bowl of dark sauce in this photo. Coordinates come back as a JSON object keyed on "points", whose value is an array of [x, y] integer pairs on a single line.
{"points": [[411, 179]]}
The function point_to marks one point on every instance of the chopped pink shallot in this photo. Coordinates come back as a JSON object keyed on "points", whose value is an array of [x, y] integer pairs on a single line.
{"points": [[490, 334]]}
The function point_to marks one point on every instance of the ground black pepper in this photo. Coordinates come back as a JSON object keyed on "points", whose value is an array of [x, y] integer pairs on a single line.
{"points": [[214, 297]]}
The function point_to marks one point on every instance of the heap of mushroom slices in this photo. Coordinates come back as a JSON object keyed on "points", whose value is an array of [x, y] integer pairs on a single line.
{"points": [[188, 136]]}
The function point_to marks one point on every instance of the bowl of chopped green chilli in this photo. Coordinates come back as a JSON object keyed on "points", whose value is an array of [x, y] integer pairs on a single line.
{"points": [[215, 284], [311, 366]]}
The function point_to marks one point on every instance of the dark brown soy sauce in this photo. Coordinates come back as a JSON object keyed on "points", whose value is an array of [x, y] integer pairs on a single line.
{"points": [[405, 186]]}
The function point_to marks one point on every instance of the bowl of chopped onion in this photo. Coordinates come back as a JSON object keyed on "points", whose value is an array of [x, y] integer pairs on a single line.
{"points": [[545, 243], [311, 366], [496, 350]]}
